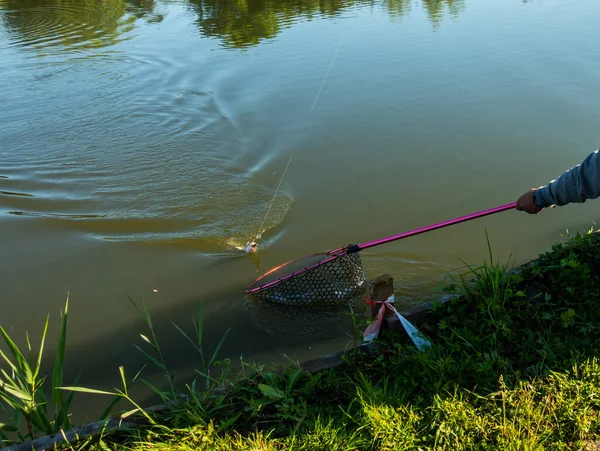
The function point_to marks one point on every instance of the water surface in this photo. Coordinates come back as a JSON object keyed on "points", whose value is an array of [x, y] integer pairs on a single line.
{"points": [[142, 142]]}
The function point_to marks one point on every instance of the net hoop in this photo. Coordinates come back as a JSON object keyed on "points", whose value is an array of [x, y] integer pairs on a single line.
{"points": [[255, 286]]}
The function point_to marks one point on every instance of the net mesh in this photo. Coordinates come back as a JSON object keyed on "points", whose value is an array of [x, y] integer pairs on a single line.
{"points": [[331, 283]]}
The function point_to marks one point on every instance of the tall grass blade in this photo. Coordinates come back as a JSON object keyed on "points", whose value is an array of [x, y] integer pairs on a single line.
{"points": [[28, 342], [106, 412], [122, 373], [41, 421], [7, 399], [118, 397], [25, 396], [8, 362], [134, 303], [154, 343], [137, 409], [218, 348], [489, 246], [11, 380], [63, 414], [187, 337], [147, 340], [23, 366], [152, 359], [57, 373], [88, 390], [162, 394], [200, 328], [39, 359], [208, 377]]}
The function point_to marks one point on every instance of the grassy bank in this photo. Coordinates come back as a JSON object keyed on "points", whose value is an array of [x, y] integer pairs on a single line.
{"points": [[513, 366]]}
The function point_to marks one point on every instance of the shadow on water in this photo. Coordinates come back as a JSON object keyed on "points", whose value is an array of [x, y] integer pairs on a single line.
{"points": [[288, 326], [289, 330], [92, 24]]}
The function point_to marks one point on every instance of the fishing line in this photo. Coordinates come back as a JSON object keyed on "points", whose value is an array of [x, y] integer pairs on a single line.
{"points": [[260, 230], [328, 70], [252, 245]]}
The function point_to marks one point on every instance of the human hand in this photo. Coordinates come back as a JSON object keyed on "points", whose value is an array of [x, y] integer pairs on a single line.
{"points": [[526, 203]]}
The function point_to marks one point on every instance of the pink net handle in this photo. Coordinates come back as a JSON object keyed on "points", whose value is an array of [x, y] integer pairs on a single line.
{"points": [[439, 225], [345, 250]]}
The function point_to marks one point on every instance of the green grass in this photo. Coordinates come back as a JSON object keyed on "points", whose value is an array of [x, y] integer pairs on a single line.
{"points": [[24, 400], [513, 365], [559, 412]]}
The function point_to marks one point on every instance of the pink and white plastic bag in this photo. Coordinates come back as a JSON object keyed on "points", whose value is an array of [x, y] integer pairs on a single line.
{"points": [[372, 331]]}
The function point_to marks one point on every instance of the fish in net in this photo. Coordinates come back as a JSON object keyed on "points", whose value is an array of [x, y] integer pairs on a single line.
{"points": [[339, 279]]}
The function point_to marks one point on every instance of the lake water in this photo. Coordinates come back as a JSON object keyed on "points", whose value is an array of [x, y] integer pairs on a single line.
{"points": [[141, 143]]}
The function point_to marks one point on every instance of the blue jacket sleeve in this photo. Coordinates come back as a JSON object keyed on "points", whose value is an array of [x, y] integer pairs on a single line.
{"points": [[576, 185]]}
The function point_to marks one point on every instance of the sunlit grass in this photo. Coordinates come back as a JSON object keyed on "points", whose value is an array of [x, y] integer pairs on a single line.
{"points": [[559, 412]]}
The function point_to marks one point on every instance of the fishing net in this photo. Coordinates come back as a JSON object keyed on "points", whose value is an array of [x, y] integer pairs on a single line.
{"points": [[317, 280], [334, 277]]}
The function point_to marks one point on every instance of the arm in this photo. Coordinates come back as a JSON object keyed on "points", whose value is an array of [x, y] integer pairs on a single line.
{"points": [[576, 185]]}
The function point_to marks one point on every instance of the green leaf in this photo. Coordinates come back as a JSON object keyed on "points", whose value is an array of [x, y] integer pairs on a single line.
{"points": [[137, 409], [122, 373], [11, 402], [12, 381], [187, 336], [156, 362], [133, 302], [270, 392], [87, 390], [62, 417], [224, 424], [104, 415], [22, 364], [130, 412], [146, 314], [163, 395], [18, 394], [147, 340], [207, 377], [9, 362], [293, 377], [39, 359], [41, 421], [28, 342], [8, 427], [217, 349]]}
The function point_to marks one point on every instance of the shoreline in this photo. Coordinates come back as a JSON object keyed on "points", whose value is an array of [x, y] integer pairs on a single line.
{"points": [[424, 315]]}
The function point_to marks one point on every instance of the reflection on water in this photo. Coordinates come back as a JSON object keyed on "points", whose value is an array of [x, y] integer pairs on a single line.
{"points": [[73, 25], [243, 24], [296, 324], [92, 24], [437, 8]]}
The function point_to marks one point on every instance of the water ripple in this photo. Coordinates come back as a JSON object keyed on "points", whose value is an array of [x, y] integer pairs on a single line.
{"points": [[74, 26]]}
